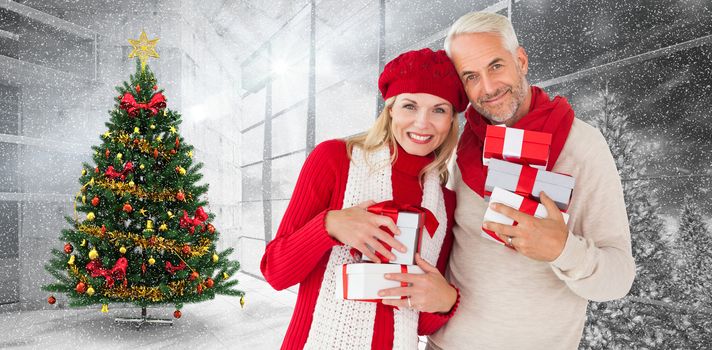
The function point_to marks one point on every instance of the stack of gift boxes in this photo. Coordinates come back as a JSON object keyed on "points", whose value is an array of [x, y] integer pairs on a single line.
{"points": [[363, 281], [516, 163]]}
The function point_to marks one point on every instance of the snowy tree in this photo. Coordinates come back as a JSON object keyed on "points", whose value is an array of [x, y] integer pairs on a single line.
{"points": [[694, 264], [625, 323]]}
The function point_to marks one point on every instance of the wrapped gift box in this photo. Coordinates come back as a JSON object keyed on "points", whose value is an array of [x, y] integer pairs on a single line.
{"points": [[516, 145], [411, 227], [529, 182], [363, 281], [515, 201]]}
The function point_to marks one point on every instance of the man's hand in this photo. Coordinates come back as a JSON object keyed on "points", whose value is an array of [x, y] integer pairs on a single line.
{"points": [[538, 239]]}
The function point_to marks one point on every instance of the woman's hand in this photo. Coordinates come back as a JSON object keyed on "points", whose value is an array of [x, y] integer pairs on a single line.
{"points": [[428, 292], [359, 228]]}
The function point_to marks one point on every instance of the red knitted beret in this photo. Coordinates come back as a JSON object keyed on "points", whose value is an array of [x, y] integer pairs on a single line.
{"points": [[423, 71]]}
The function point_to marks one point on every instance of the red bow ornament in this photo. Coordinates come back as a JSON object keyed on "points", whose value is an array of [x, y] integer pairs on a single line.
{"points": [[117, 272], [190, 224], [113, 174], [129, 104], [172, 269]]}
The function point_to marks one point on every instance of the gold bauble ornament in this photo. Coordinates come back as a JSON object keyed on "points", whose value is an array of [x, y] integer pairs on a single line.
{"points": [[122, 250], [136, 130], [84, 199], [141, 166], [71, 260], [215, 258], [152, 126], [93, 254], [119, 156], [90, 291], [131, 184], [242, 302], [90, 216], [151, 261], [84, 172]]}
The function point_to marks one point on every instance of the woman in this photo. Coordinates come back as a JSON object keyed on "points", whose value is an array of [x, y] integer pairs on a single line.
{"points": [[403, 157]]}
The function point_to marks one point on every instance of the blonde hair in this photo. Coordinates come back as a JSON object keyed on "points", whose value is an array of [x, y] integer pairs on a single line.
{"points": [[381, 134], [483, 22]]}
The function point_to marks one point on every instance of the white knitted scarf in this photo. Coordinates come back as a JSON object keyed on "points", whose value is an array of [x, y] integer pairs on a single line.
{"points": [[347, 324]]}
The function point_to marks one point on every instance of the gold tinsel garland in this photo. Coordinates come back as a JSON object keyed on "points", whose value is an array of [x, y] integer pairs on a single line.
{"points": [[143, 145], [159, 242], [154, 294], [121, 188], [177, 288]]}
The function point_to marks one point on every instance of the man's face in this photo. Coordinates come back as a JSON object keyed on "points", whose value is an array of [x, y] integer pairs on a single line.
{"points": [[494, 78]]}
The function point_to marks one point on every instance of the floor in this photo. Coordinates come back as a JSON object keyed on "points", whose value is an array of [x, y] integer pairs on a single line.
{"points": [[216, 324]]}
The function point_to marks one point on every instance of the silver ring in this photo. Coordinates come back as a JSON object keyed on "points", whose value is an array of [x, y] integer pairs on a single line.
{"points": [[509, 240], [409, 304]]}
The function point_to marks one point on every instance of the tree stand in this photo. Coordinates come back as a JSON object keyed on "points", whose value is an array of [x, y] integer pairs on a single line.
{"points": [[143, 320]]}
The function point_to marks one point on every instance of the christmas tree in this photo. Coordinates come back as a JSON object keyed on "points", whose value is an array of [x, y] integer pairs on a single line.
{"points": [[140, 234], [626, 323]]}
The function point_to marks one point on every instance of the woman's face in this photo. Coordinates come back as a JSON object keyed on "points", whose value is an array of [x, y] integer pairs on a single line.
{"points": [[421, 122]]}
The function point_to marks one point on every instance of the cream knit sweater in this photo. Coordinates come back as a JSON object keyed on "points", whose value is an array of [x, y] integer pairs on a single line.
{"points": [[509, 301]]}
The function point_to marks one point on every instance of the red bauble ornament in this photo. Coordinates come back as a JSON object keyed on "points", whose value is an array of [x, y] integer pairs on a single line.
{"points": [[103, 230], [211, 228], [178, 168], [193, 276], [68, 248], [180, 196], [81, 288], [152, 240], [125, 282], [176, 314], [107, 153], [186, 249], [95, 201], [177, 142], [51, 300], [200, 289], [209, 283], [155, 153], [155, 87], [136, 142], [96, 170], [143, 268], [173, 152], [127, 208], [138, 88]]}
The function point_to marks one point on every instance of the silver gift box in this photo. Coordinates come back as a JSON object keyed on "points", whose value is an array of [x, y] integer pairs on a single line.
{"points": [[506, 175]]}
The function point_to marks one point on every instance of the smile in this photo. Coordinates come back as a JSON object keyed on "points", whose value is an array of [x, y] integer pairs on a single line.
{"points": [[419, 138], [497, 98]]}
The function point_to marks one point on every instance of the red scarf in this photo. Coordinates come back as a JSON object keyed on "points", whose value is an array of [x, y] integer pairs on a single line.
{"points": [[551, 116]]}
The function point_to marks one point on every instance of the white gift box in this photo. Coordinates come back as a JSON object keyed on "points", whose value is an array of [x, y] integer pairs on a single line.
{"points": [[515, 201], [411, 227], [363, 281]]}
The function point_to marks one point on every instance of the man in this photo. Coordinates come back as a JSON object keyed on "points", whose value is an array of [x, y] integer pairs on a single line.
{"points": [[535, 295]]}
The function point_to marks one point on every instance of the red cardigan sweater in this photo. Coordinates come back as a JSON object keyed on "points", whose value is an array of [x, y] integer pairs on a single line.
{"points": [[301, 248]]}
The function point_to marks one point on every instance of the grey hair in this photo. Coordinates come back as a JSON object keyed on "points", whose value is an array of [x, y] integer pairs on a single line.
{"points": [[483, 22]]}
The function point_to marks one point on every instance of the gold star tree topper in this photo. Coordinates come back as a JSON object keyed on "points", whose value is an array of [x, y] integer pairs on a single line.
{"points": [[143, 48]]}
